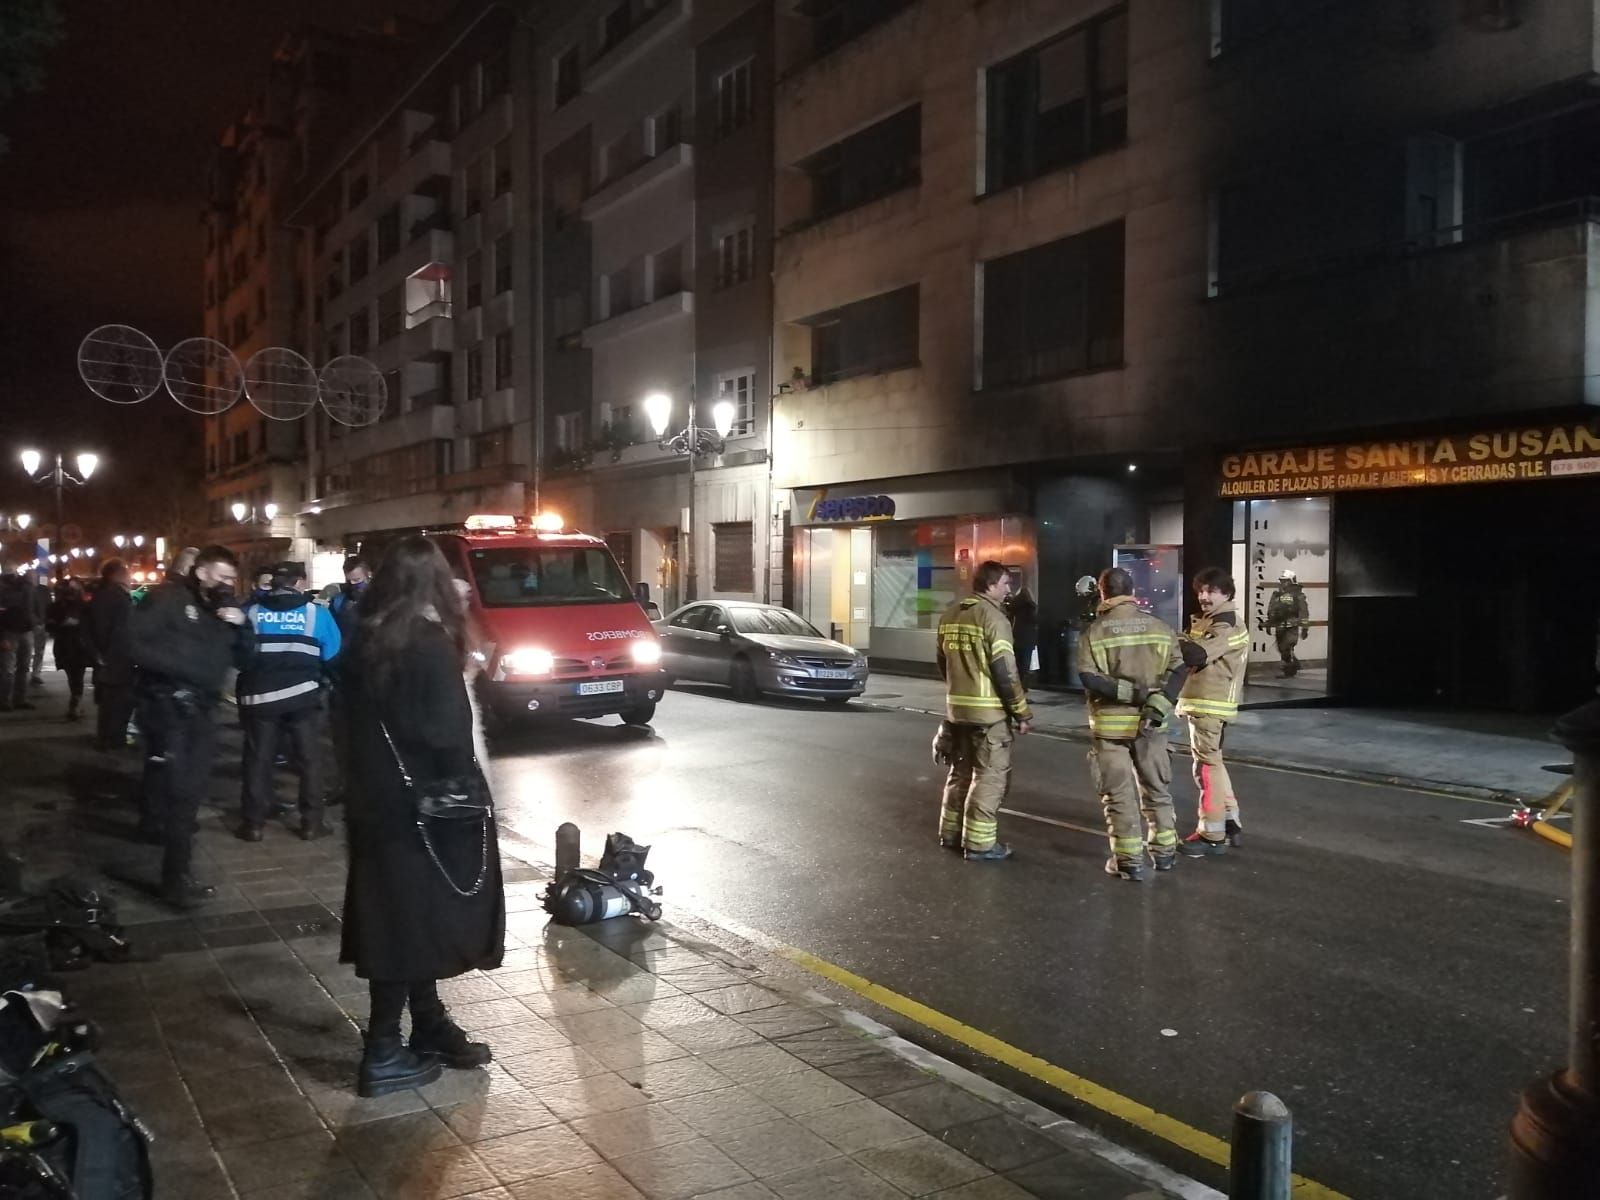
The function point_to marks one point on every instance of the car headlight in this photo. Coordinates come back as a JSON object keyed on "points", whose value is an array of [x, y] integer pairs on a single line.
{"points": [[527, 660], [646, 652], [782, 659], [859, 666]]}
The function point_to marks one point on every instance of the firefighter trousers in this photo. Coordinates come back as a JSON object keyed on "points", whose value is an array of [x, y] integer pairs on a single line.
{"points": [[1288, 637], [1217, 804], [980, 776], [1134, 777]]}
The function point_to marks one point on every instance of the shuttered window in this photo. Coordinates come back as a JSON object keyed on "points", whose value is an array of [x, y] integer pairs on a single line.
{"points": [[735, 555]]}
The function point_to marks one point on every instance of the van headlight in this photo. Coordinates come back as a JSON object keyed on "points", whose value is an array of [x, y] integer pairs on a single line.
{"points": [[646, 652], [527, 660]]}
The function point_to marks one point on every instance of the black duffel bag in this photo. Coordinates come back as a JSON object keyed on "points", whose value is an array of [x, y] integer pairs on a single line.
{"points": [[104, 1149]]}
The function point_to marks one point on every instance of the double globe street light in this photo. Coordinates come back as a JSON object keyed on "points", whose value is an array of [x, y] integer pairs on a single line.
{"points": [[689, 441], [58, 476], [246, 515]]}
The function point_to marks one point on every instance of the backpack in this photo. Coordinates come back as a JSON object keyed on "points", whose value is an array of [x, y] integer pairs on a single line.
{"points": [[77, 921]]}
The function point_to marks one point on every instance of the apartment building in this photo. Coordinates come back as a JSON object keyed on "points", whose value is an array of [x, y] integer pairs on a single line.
{"points": [[253, 298], [654, 123], [416, 255], [1059, 282]]}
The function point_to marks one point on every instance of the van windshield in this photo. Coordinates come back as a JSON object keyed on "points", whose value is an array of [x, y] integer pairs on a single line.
{"points": [[526, 577]]}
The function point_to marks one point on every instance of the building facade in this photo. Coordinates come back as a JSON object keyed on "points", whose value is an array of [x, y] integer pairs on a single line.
{"points": [[1045, 273]]}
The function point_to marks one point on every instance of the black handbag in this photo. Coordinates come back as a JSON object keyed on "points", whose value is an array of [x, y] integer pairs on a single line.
{"points": [[458, 799]]}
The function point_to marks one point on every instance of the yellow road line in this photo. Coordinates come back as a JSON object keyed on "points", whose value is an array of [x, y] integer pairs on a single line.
{"points": [[1141, 1116]]}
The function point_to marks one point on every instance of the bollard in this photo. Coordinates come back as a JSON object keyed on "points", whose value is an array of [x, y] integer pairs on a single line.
{"points": [[1555, 1136], [568, 851], [1263, 1134]]}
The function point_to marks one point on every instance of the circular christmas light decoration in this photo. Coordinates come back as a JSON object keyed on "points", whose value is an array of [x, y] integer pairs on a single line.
{"points": [[203, 375], [120, 364], [353, 391], [281, 384]]}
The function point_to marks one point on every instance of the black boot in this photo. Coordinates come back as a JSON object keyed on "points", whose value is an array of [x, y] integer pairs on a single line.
{"points": [[434, 1033], [186, 892], [387, 1066]]}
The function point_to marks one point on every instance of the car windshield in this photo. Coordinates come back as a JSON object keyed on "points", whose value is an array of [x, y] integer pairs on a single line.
{"points": [[525, 577], [778, 621]]}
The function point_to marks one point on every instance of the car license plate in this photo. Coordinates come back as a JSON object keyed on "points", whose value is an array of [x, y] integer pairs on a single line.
{"points": [[600, 687], [833, 674]]}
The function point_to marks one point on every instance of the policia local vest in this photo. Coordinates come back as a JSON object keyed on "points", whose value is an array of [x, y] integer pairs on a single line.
{"points": [[294, 638]]}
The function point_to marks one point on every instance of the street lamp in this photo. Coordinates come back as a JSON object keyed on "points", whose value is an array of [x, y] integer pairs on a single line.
{"points": [[58, 475], [246, 515], [119, 541], [689, 441], [23, 521]]}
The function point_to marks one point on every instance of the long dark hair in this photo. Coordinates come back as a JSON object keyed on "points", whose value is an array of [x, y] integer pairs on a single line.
{"points": [[412, 591]]}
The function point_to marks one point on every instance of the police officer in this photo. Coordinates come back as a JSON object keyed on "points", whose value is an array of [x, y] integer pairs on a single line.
{"points": [[281, 690], [1218, 644], [184, 637], [985, 704], [1288, 619], [1132, 669]]}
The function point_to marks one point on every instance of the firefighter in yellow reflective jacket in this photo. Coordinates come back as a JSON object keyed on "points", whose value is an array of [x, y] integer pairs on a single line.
{"points": [[985, 705], [1132, 668], [1218, 645]]}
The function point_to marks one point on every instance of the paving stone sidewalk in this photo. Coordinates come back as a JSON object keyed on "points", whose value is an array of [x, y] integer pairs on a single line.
{"points": [[631, 1060], [1474, 754]]}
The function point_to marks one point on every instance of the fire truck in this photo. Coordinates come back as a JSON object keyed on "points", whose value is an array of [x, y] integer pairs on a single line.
{"points": [[564, 635]]}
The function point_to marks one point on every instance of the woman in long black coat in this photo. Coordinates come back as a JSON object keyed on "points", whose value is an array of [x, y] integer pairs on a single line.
{"points": [[406, 922]]}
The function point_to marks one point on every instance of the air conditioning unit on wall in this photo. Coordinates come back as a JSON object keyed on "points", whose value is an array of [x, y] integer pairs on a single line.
{"points": [[1489, 16]]}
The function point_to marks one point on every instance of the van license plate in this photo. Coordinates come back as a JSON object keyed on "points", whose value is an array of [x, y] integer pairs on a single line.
{"points": [[600, 687]]}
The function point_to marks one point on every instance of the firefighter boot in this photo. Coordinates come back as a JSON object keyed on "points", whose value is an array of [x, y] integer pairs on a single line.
{"points": [[387, 1066], [998, 852], [1130, 869]]}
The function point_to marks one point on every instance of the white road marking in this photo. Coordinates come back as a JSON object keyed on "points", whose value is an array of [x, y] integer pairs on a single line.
{"points": [[1011, 812]]}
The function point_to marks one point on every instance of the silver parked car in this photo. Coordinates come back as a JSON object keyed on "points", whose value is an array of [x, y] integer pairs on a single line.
{"points": [[758, 648]]}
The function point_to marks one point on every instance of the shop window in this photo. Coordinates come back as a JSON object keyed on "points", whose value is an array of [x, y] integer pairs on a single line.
{"points": [[1054, 309], [738, 388], [1058, 103], [865, 166], [914, 576], [734, 99], [502, 359], [735, 556], [876, 334]]}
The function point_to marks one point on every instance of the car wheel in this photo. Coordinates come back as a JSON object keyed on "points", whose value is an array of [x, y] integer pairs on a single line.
{"points": [[642, 715], [744, 681]]}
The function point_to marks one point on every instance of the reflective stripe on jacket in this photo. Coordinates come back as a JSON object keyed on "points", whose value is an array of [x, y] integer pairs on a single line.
{"points": [[979, 664], [1213, 690], [294, 638], [1125, 643]]}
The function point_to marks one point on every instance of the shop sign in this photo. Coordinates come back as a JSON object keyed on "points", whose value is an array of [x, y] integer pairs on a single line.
{"points": [[851, 508], [1506, 456]]}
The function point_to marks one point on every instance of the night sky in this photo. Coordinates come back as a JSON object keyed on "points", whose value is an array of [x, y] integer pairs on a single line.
{"points": [[100, 201]]}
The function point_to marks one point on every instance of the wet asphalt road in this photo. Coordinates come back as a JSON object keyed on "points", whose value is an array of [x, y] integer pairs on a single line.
{"points": [[1396, 975]]}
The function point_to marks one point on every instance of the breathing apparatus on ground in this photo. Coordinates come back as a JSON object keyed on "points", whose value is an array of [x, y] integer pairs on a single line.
{"points": [[620, 886]]}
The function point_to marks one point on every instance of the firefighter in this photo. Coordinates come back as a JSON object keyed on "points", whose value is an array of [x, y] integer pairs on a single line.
{"points": [[1132, 668], [1288, 619], [1218, 646], [985, 706]]}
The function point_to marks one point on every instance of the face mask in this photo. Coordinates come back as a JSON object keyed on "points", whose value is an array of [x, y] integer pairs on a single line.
{"points": [[216, 595]]}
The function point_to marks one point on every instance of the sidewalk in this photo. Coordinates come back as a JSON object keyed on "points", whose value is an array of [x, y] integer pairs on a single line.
{"points": [[631, 1060], [1477, 755]]}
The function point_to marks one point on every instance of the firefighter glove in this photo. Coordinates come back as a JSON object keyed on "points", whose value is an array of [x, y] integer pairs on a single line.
{"points": [[1125, 691], [1156, 712], [1194, 654], [944, 745]]}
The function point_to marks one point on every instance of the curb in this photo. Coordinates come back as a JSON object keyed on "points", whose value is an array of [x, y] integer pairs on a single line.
{"points": [[1443, 787]]}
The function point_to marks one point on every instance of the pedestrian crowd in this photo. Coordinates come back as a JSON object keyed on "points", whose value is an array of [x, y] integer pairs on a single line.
{"points": [[383, 666]]}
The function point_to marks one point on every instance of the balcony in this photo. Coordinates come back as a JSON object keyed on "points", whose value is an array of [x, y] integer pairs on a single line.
{"points": [[636, 43], [1486, 319], [667, 308], [430, 334], [640, 180], [430, 423]]}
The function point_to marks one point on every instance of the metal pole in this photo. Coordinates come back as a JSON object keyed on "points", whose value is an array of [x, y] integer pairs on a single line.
{"points": [[1555, 1136], [691, 564], [1263, 1137], [61, 541]]}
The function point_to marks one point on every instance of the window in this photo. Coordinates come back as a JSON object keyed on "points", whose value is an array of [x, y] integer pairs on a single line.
{"points": [[241, 329], [739, 389], [475, 279], [547, 575], [614, 26], [473, 94], [668, 270], [566, 314], [472, 188], [389, 233], [391, 312], [335, 276], [393, 394], [736, 254], [876, 334], [568, 79], [1235, 22], [475, 372], [1058, 103], [502, 359], [496, 75], [666, 128], [734, 568], [360, 259], [618, 420], [502, 167], [572, 432], [492, 449], [261, 304], [881, 159], [357, 192], [360, 332], [734, 102], [211, 458], [1054, 309], [835, 22], [621, 291], [336, 341], [503, 263]]}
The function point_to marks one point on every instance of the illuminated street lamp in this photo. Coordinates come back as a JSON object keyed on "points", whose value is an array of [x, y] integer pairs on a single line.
{"points": [[118, 541], [245, 514], [23, 521], [689, 441], [58, 475]]}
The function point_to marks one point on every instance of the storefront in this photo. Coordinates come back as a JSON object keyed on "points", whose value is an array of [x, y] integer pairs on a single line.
{"points": [[1459, 569], [877, 562]]}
